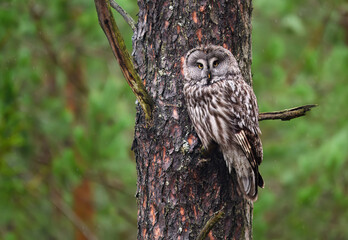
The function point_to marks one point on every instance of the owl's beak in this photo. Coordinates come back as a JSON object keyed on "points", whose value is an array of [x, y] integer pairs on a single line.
{"points": [[209, 77]]}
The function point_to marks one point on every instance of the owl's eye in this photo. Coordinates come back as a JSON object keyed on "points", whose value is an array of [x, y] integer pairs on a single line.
{"points": [[215, 63], [200, 65]]}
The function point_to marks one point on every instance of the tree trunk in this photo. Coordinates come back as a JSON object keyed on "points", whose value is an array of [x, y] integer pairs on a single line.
{"points": [[178, 188]]}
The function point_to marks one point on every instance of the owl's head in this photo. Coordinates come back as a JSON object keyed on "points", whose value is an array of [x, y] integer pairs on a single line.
{"points": [[208, 64]]}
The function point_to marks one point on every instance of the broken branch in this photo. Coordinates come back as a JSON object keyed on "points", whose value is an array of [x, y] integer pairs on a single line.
{"points": [[286, 114], [108, 24], [210, 224]]}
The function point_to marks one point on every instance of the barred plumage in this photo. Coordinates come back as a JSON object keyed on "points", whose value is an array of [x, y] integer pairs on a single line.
{"points": [[223, 109]]}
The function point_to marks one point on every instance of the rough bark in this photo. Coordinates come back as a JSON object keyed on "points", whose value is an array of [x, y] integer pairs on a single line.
{"points": [[179, 189]]}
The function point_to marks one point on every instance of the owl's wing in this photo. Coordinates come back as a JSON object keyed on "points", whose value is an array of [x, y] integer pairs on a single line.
{"points": [[244, 112], [243, 142], [253, 157]]}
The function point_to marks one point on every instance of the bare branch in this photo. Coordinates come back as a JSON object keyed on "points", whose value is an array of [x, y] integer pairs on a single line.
{"points": [[108, 24], [124, 14], [89, 235], [286, 114], [210, 224]]}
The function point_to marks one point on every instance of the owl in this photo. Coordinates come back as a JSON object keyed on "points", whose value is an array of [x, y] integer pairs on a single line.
{"points": [[224, 111]]}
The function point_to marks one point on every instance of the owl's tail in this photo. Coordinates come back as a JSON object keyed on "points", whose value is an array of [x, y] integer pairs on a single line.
{"points": [[246, 178]]}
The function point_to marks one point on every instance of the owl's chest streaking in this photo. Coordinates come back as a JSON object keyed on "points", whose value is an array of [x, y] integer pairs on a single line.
{"points": [[209, 113], [221, 109]]}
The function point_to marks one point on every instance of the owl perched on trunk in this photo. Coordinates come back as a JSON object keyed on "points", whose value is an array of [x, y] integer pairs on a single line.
{"points": [[223, 109]]}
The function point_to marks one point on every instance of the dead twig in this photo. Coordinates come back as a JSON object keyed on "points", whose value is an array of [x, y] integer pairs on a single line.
{"points": [[210, 224], [286, 114], [124, 14]]}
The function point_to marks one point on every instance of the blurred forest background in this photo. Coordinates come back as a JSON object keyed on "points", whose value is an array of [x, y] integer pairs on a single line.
{"points": [[67, 118]]}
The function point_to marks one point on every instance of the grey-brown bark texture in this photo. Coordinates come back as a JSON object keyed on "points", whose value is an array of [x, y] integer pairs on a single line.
{"points": [[178, 189]]}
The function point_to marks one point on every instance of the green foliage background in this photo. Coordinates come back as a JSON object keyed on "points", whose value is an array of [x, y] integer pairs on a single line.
{"points": [[300, 56]]}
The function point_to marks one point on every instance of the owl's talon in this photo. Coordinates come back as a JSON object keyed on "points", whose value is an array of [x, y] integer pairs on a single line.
{"points": [[203, 161], [204, 152]]}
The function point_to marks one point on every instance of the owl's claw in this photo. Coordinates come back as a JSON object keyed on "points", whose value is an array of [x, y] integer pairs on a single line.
{"points": [[207, 152], [203, 161], [204, 152]]}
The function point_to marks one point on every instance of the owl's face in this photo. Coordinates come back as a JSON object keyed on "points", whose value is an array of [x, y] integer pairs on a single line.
{"points": [[205, 65]]}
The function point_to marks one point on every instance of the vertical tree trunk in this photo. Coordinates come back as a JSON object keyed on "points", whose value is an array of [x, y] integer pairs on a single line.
{"points": [[178, 190]]}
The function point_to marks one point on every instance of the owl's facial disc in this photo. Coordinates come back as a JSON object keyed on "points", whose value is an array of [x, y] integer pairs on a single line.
{"points": [[205, 66]]}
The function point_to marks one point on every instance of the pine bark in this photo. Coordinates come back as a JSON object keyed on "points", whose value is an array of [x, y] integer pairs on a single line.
{"points": [[178, 188]]}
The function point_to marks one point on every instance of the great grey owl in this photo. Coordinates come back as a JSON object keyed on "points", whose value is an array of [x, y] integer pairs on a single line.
{"points": [[223, 109]]}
